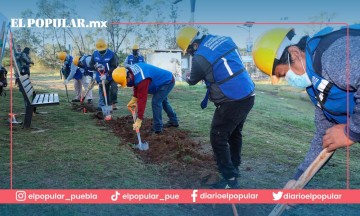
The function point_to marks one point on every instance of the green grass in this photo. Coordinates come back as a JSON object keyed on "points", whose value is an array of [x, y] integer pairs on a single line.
{"points": [[75, 152]]}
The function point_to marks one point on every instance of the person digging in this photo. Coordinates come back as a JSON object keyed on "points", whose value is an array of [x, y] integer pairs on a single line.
{"points": [[148, 79]]}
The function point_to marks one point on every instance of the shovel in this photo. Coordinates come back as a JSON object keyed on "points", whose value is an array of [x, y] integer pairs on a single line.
{"points": [[105, 109], [142, 146], [90, 87], [12, 119]]}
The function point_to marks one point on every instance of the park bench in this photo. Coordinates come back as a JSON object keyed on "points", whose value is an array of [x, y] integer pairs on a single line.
{"points": [[33, 100]]}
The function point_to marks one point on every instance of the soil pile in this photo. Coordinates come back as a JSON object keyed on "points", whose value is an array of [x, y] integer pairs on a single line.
{"points": [[185, 164]]}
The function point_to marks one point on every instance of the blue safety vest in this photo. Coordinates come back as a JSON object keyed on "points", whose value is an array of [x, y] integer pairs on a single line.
{"points": [[324, 93], [159, 77], [78, 74], [67, 68], [229, 72], [87, 70], [104, 60], [135, 59]]}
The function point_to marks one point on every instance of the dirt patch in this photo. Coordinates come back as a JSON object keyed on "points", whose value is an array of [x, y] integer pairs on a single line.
{"points": [[83, 107], [185, 164]]}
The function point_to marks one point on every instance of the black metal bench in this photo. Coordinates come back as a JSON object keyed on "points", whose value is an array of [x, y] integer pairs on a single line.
{"points": [[33, 100]]}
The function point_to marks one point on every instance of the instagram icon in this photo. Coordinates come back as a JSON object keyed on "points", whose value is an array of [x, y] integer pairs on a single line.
{"points": [[20, 196]]}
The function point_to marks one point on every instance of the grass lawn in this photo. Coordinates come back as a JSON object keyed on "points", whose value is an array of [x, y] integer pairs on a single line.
{"points": [[68, 150]]}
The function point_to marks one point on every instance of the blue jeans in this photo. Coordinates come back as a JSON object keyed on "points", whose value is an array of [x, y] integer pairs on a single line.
{"points": [[160, 102], [111, 93]]}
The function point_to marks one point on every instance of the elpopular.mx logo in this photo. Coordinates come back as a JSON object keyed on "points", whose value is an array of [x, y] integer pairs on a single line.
{"points": [[277, 195]]}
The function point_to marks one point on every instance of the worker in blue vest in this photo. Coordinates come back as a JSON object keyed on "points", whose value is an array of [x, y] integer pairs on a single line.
{"points": [[148, 79], [217, 61], [319, 64], [135, 57], [70, 71], [82, 75], [107, 59]]}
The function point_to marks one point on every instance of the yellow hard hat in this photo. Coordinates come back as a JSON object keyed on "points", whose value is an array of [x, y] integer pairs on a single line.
{"points": [[185, 37], [135, 47], [61, 56], [101, 45], [268, 48], [119, 76], [76, 60]]}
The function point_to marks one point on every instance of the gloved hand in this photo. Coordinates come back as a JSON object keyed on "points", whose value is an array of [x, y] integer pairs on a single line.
{"points": [[99, 67], [137, 125], [66, 82], [132, 103], [103, 77], [94, 76]]}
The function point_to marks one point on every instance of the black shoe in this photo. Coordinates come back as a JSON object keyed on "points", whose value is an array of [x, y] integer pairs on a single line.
{"points": [[226, 184], [171, 124], [155, 131], [75, 100]]}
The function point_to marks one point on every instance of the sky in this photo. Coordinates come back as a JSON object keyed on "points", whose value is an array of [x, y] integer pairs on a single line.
{"points": [[235, 11]]}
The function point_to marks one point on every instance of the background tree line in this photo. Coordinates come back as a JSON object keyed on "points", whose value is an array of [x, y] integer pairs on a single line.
{"points": [[46, 42]]}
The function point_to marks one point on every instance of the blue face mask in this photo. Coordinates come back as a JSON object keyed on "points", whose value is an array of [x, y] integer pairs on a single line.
{"points": [[298, 81]]}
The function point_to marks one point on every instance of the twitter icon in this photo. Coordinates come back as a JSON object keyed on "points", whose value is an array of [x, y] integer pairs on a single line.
{"points": [[277, 195]]}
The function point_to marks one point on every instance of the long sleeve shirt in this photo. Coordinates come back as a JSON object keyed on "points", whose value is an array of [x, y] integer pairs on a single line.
{"points": [[334, 67], [141, 93]]}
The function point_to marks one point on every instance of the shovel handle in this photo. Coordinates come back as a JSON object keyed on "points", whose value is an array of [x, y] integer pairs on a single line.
{"points": [[133, 112]]}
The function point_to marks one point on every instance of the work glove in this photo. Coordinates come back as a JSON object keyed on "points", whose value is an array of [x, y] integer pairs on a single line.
{"points": [[137, 124], [66, 82], [132, 103], [103, 77], [99, 67], [94, 76]]}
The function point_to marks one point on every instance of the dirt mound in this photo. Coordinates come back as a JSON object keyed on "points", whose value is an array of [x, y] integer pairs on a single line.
{"points": [[185, 165]]}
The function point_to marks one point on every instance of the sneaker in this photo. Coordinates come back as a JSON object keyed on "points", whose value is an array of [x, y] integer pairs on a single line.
{"points": [[75, 100], [226, 184], [171, 124], [114, 107]]}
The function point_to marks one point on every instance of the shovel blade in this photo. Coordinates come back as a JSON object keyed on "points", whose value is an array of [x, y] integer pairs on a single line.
{"points": [[143, 146], [106, 110]]}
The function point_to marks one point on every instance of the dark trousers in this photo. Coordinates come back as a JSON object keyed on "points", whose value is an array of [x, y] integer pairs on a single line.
{"points": [[226, 136]]}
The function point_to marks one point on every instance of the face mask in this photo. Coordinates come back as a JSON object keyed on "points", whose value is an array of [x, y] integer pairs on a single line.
{"points": [[298, 81]]}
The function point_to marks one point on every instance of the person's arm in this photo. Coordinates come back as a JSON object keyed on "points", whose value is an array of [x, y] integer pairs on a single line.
{"points": [[334, 64], [92, 63], [198, 70], [113, 63], [126, 62], [73, 69], [321, 124], [354, 130], [141, 93]]}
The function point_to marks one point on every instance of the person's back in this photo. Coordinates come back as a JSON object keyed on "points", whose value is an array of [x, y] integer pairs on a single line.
{"points": [[25, 61]]}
